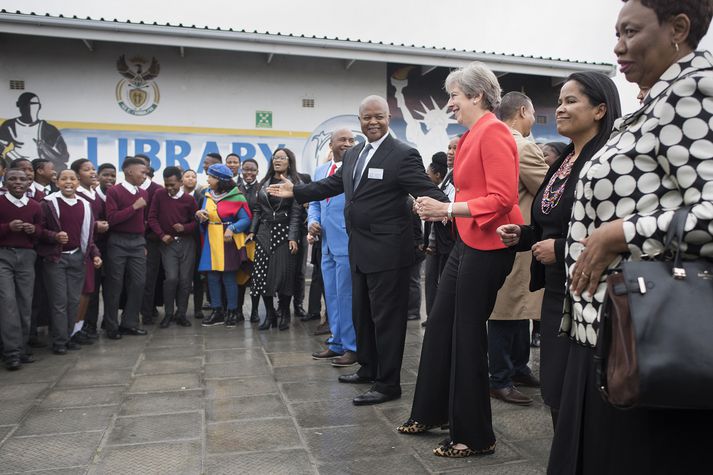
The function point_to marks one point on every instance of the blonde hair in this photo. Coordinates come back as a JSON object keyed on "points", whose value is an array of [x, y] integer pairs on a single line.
{"points": [[475, 79]]}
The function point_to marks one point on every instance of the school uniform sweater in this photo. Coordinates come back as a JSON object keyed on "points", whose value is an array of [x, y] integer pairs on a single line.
{"points": [[29, 213], [122, 217], [166, 211]]}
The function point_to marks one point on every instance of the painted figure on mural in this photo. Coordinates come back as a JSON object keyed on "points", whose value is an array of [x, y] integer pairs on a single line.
{"points": [[30, 137]]}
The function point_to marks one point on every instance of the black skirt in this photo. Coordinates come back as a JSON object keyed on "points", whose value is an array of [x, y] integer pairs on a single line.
{"points": [[554, 349], [592, 437], [275, 267]]}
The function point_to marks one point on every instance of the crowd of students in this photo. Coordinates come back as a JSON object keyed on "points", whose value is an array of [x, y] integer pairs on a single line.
{"points": [[73, 237]]}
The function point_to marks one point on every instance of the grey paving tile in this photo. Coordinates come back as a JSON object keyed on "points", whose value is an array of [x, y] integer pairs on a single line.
{"points": [[227, 388], [536, 450], [240, 355], [250, 407], [317, 391], [183, 365], [363, 441], [52, 421], [301, 358], [336, 412], [165, 402], [313, 372], [510, 468], [284, 462], [525, 423], [251, 435], [20, 454], [166, 341], [4, 431], [424, 444], [63, 471], [161, 428], [172, 353], [45, 369], [230, 341], [22, 391], [152, 459], [108, 361], [84, 397], [12, 412], [236, 369], [165, 382], [95, 377], [402, 463], [307, 345]]}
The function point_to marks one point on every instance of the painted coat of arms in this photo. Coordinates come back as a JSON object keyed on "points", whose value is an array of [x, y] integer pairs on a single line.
{"points": [[137, 93]]}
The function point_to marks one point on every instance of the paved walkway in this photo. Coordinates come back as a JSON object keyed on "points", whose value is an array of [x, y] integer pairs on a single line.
{"points": [[218, 400]]}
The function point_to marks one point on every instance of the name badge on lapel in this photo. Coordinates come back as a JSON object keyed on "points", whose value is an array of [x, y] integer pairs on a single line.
{"points": [[376, 173]]}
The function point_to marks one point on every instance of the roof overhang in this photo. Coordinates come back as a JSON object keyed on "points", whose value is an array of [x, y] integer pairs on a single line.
{"points": [[90, 31]]}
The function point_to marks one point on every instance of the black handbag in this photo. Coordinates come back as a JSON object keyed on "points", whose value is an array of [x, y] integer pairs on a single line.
{"points": [[655, 346]]}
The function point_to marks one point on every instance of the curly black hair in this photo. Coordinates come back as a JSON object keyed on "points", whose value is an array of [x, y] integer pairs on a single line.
{"points": [[699, 12]]}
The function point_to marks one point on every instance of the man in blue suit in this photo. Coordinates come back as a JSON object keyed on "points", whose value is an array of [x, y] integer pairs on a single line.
{"points": [[326, 221]]}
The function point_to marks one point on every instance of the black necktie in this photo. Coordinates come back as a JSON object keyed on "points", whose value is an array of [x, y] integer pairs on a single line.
{"points": [[360, 164]]}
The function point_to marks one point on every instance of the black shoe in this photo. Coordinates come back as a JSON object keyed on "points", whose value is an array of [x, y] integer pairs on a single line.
{"points": [[13, 364], [147, 320], [230, 319], [132, 331], [113, 334], [354, 378], [270, 320], [166, 322], [309, 316], [198, 314], [90, 331], [73, 346], [528, 380], [254, 317], [216, 317], [239, 317], [81, 338], [183, 322], [25, 359], [284, 321], [59, 350], [300, 312], [373, 396]]}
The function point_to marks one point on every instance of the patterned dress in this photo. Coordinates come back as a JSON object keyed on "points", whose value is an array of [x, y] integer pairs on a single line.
{"points": [[658, 159]]}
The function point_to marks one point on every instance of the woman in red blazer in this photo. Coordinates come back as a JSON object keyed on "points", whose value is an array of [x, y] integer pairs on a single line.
{"points": [[452, 385]]}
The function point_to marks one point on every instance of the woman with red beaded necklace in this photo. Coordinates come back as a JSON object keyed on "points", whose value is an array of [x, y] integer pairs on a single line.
{"points": [[588, 106]]}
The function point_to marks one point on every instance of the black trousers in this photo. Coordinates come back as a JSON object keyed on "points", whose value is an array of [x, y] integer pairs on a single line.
{"points": [[153, 265], [301, 266], [379, 307], [434, 268], [452, 382], [508, 351], [91, 319], [126, 265], [316, 288]]}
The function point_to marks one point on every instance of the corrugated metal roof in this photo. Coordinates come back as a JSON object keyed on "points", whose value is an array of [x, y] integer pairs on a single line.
{"points": [[337, 40]]}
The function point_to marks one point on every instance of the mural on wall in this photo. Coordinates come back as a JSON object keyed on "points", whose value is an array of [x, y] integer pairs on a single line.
{"points": [[137, 93], [28, 136]]}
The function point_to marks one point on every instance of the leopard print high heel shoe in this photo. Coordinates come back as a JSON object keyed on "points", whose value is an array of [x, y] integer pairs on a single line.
{"points": [[413, 427]]}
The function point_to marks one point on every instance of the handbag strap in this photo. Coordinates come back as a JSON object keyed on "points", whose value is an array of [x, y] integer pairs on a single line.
{"points": [[675, 232]]}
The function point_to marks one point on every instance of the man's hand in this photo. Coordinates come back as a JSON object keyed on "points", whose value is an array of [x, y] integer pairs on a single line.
{"points": [[61, 237], [294, 247], [16, 225], [282, 190], [102, 227], [315, 229], [97, 262], [429, 209], [140, 203], [178, 227], [167, 239], [202, 215], [29, 228]]}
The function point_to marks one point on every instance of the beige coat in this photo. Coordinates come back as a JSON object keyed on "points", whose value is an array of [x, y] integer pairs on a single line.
{"points": [[515, 301]]}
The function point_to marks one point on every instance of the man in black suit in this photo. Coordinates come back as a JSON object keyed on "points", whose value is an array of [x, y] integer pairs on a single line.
{"points": [[377, 177]]}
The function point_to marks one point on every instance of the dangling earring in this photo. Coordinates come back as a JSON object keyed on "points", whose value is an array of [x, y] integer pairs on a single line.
{"points": [[675, 45]]}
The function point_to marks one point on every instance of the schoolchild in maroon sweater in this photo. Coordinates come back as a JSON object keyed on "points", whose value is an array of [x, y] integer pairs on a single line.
{"points": [[26, 166], [67, 247], [87, 181], [171, 218], [126, 250], [20, 226]]}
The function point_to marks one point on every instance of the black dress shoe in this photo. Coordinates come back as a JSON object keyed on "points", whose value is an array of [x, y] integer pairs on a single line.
{"points": [[300, 312], [254, 317], [13, 364], [147, 320], [373, 396], [354, 378], [132, 331], [73, 346], [310, 316], [24, 359], [183, 322], [198, 315], [113, 334], [166, 322], [59, 350]]}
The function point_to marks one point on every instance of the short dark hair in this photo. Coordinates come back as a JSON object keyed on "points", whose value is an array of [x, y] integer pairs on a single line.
{"points": [[215, 155], [699, 13], [169, 172], [225, 186], [439, 163], [16, 163], [147, 160], [130, 161], [188, 170], [232, 155], [38, 163], [511, 103], [104, 166], [77, 164], [251, 160]]}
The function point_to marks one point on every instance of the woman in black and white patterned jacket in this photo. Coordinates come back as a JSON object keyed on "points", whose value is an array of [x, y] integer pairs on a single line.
{"points": [[658, 159]]}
